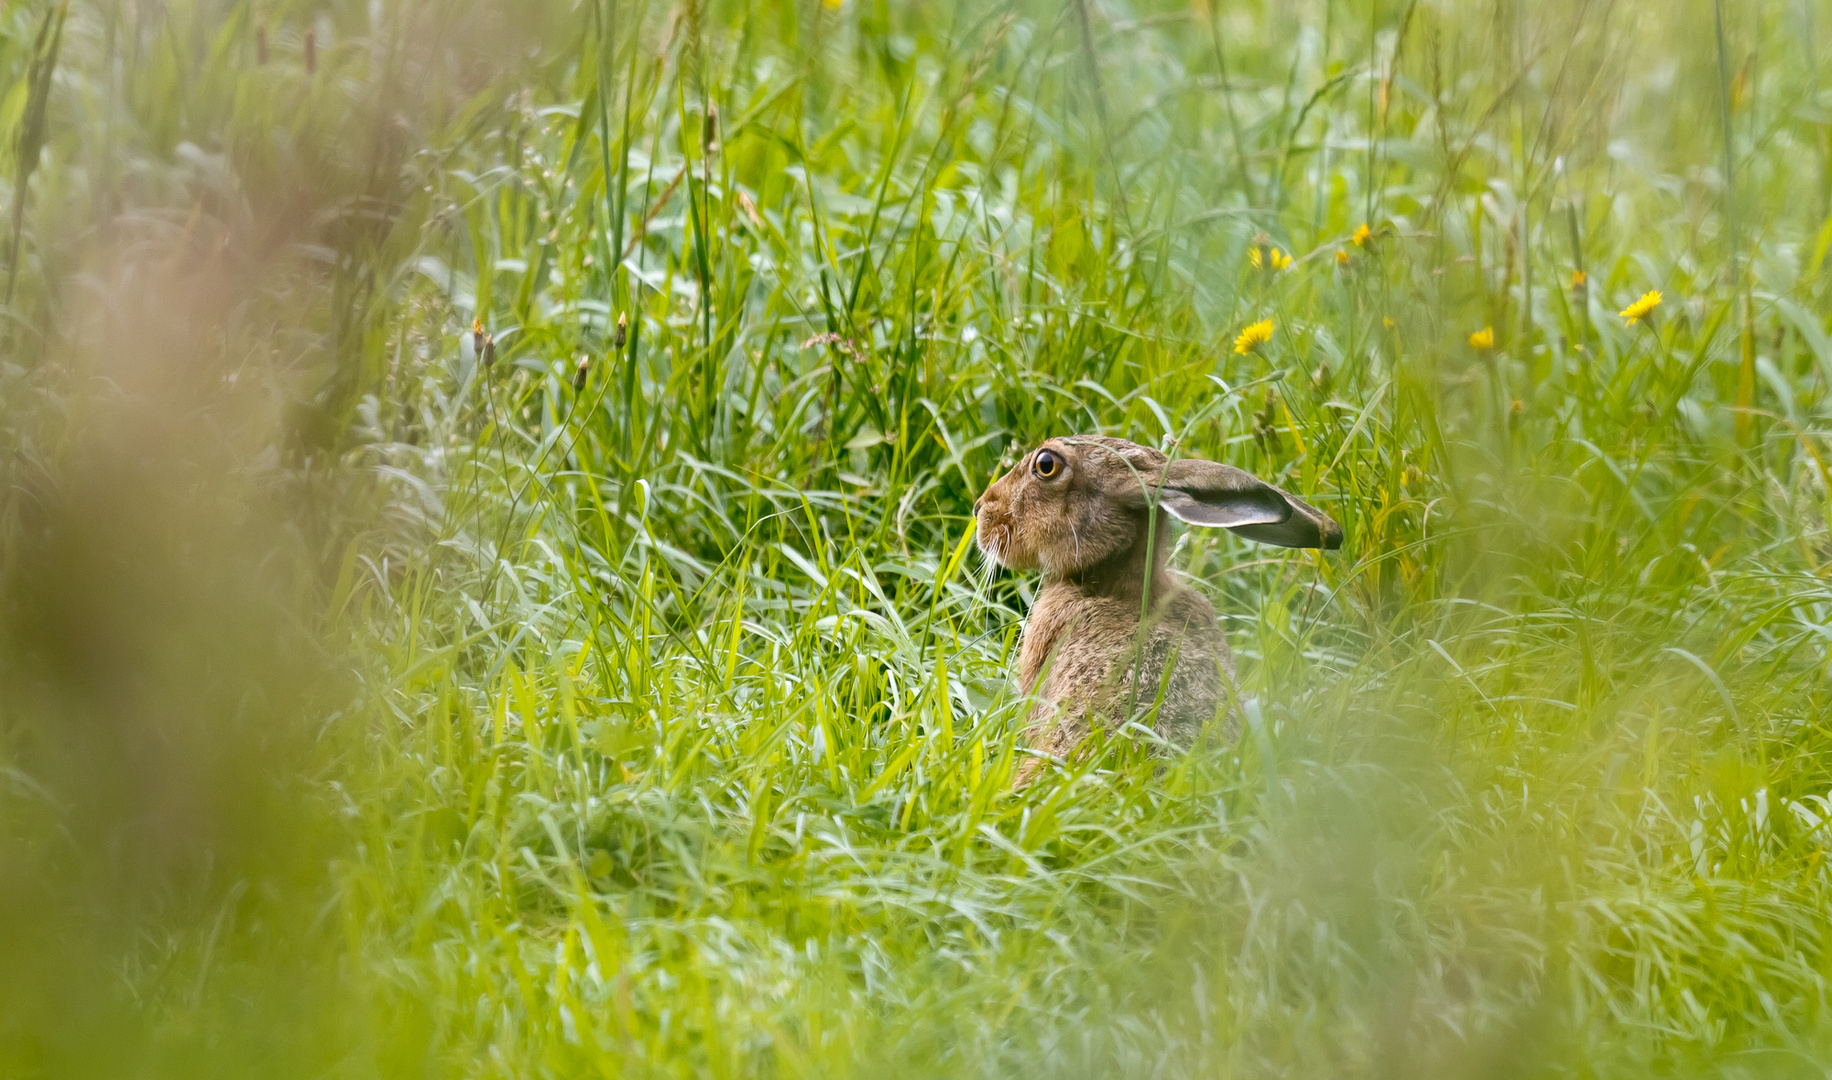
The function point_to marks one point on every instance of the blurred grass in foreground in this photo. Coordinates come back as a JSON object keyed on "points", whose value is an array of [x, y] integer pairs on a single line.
{"points": [[634, 704]]}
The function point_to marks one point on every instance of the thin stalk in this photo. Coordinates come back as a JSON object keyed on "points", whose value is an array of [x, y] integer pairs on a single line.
{"points": [[1746, 367], [45, 48], [1227, 98], [1730, 163]]}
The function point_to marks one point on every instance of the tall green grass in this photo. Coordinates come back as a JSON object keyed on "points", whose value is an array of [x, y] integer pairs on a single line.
{"points": [[633, 701]]}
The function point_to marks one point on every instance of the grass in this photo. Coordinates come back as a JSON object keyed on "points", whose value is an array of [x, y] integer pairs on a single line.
{"points": [[635, 703]]}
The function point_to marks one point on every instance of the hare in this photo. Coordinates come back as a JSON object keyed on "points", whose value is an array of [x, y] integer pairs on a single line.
{"points": [[1094, 514]]}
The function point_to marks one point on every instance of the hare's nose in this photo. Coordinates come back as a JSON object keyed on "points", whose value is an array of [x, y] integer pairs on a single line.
{"points": [[976, 505]]}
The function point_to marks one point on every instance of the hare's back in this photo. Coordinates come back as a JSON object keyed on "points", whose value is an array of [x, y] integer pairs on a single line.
{"points": [[1186, 634], [1100, 667]]}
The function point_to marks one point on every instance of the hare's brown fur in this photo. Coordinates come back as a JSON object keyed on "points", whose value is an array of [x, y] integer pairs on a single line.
{"points": [[1109, 614], [1110, 617], [1098, 659]]}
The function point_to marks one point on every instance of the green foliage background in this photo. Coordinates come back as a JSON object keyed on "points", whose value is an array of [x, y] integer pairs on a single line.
{"points": [[634, 702]]}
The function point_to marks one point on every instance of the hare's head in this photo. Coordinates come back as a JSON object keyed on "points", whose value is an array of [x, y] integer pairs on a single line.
{"points": [[1078, 501]]}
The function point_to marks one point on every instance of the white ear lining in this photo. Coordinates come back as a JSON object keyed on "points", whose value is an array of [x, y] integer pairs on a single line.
{"points": [[1229, 511]]}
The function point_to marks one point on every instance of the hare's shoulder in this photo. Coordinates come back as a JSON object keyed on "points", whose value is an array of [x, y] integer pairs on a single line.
{"points": [[1063, 610], [1074, 633]]}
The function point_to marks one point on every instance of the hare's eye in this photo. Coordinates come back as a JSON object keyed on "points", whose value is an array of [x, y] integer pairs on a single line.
{"points": [[1047, 465]]}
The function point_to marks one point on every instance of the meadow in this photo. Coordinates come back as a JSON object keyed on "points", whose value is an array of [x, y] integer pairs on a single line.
{"points": [[487, 586]]}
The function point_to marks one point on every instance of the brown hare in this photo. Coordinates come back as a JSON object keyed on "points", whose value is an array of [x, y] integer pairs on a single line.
{"points": [[1094, 514]]}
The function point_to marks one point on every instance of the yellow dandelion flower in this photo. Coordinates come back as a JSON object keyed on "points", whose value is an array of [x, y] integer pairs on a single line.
{"points": [[1387, 321], [1342, 258], [1483, 338], [1362, 234], [1254, 257], [1578, 278], [1643, 307], [1280, 260], [1253, 336]]}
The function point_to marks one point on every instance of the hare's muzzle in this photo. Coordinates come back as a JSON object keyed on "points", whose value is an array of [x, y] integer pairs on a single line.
{"points": [[993, 534]]}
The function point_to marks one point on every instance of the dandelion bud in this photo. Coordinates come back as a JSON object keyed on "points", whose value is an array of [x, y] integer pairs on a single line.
{"points": [[477, 336], [622, 333], [1265, 425], [489, 349], [585, 363], [750, 209]]}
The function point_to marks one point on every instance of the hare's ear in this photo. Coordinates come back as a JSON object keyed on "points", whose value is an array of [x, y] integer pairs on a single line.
{"points": [[1205, 493]]}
